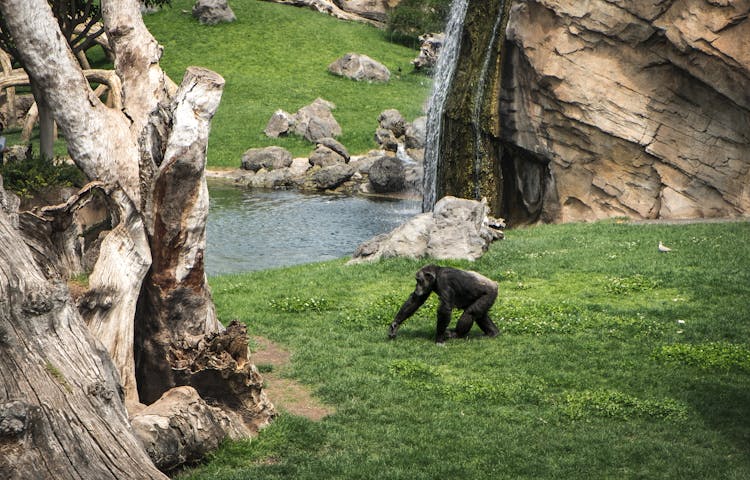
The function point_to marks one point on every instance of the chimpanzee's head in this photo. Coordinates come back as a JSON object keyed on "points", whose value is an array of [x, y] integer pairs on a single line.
{"points": [[426, 280]]}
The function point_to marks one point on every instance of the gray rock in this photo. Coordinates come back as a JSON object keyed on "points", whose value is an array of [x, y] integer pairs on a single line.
{"points": [[415, 133], [364, 163], [336, 146], [376, 10], [269, 158], [386, 139], [360, 67], [429, 50], [299, 166], [325, 157], [280, 178], [315, 121], [211, 12], [456, 229], [387, 175], [279, 124], [328, 178], [392, 120], [17, 153]]}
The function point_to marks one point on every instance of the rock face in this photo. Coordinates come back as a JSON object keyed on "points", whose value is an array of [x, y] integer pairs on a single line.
{"points": [[360, 67], [211, 12], [456, 229], [599, 109]]}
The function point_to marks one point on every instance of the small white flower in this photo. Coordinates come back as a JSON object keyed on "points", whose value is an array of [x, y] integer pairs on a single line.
{"points": [[681, 322]]}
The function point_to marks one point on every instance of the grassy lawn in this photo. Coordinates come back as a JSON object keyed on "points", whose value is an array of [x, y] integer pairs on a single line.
{"points": [[276, 56], [615, 361]]}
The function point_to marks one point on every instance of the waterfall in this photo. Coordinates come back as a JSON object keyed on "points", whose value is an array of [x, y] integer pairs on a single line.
{"points": [[446, 66], [479, 99]]}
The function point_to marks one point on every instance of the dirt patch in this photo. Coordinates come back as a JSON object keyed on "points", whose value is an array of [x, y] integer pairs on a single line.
{"points": [[287, 395]]}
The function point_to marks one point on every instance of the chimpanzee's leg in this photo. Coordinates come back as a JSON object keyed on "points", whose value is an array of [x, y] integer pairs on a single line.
{"points": [[464, 324], [477, 312], [488, 326]]}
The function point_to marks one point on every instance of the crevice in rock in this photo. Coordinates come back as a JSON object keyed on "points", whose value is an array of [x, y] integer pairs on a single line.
{"points": [[526, 181]]}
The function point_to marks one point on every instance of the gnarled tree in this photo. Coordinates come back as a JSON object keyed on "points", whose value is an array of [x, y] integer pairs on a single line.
{"points": [[148, 302]]}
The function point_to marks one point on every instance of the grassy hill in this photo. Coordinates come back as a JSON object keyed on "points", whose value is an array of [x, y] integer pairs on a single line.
{"points": [[614, 361], [276, 56]]}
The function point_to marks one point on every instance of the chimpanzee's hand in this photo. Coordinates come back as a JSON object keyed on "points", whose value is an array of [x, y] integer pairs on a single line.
{"points": [[392, 331]]}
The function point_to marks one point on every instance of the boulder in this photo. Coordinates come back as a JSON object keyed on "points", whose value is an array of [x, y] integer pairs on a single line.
{"points": [[360, 67], [392, 120], [279, 124], [429, 50], [415, 133], [325, 157], [336, 146], [315, 121], [386, 139], [17, 153], [376, 10], [299, 166], [359, 11], [328, 178], [269, 158], [211, 12], [364, 163], [387, 175], [279, 178], [456, 229]]}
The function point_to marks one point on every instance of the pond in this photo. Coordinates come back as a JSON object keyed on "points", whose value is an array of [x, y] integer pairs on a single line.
{"points": [[261, 229]]}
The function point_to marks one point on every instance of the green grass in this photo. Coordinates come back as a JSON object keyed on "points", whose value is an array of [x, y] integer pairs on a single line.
{"points": [[615, 361], [276, 56]]}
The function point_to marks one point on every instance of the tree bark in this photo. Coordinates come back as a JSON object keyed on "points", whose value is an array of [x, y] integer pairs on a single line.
{"points": [[149, 157], [61, 415]]}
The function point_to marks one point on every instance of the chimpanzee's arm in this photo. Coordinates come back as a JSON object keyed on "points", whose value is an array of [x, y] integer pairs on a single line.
{"points": [[443, 319], [411, 305]]}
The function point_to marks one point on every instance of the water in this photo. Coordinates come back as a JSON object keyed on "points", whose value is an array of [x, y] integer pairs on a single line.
{"points": [[446, 66], [258, 229]]}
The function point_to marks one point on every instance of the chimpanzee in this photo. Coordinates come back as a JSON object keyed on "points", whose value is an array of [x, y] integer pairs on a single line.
{"points": [[462, 289]]}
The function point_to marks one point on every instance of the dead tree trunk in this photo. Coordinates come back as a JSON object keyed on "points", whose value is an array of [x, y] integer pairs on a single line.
{"points": [[61, 414], [149, 157]]}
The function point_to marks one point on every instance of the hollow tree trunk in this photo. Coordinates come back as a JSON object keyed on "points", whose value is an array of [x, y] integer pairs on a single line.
{"points": [[149, 157], [61, 415]]}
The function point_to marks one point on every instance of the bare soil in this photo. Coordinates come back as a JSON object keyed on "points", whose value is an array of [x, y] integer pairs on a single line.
{"points": [[286, 394]]}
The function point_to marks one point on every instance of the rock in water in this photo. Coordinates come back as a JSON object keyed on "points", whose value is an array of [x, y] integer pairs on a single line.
{"points": [[271, 158], [387, 175]]}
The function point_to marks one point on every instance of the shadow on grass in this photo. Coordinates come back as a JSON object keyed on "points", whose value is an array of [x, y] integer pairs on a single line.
{"points": [[724, 407]]}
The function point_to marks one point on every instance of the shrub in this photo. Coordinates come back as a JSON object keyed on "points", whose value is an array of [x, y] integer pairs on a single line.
{"points": [[32, 175], [412, 18]]}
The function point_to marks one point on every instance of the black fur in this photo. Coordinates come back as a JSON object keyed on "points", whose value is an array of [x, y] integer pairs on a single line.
{"points": [[469, 291]]}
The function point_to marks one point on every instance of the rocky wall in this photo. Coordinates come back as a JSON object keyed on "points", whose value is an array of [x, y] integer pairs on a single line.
{"points": [[603, 108]]}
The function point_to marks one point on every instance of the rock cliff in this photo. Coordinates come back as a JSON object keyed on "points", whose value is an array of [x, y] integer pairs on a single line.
{"points": [[584, 110]]}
